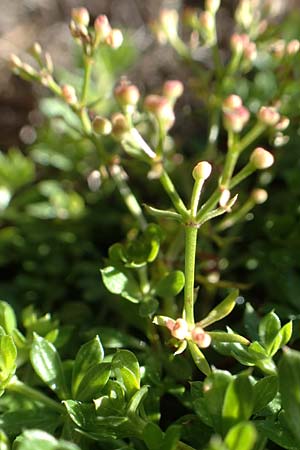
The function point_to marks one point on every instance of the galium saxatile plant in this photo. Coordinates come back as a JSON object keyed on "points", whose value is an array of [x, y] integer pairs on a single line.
{"points": [[224, 106], [103, 398]]}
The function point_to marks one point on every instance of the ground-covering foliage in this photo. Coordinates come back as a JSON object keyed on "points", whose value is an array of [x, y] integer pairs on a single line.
{"points": [[187, 338]]}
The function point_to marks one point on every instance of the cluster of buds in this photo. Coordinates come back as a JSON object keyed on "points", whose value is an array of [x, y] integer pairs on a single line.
{"points": [[242, 46], [235, 114], [180, 330], [161, 106], [281, 48], [102, 32]]}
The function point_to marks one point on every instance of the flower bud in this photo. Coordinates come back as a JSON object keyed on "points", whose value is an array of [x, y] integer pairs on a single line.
{"points": [[69, 94], [102, 28], [161, 109], [239, 42], [101, 125], [261, 158], [15, 62], [282, 124], [250, 51], [168, 19], [127, 94], [190, 17], [202, 170], [268, 115], [232, 102], [80, 16], [207, 21], [278, 48], [236, 119], [202, 339], [115, 38], [293, 47], [119, 125], [180, 329], [259, 196], [36, 50], [212, 5], [172, 89], [224, 198]]}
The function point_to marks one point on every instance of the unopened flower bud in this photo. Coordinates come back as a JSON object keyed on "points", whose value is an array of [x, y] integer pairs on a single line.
{"points": [[190, 17], [172, 89], [282, 124], [259, 196], [202, 339], [119, 125], [239, 42], [161, 109], [224, 198], [115, 38], [202, 170], [236, 119], [250, 51], [15, 62], [268, 115], [232, 102], [36, 50], [180, 329], [278, 48], [80, 16], [293, 47], [127, 94], [261, 158], [207, 21], [212, 5], [69, 94], [102, 28], [168, 19], [101, 125]]}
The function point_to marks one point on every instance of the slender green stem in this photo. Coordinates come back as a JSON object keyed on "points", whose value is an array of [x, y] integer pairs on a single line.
{"points": [[236, 216], [119, 176], [229, 166], [86, 78], [244, 173], [191, 231], [144, 281], [198, 185], [16, 385], [250, 137], [172, 193]]}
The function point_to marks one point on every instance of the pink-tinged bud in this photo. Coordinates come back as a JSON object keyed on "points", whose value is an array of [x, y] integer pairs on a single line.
{"points": [[268, 115], [115, 38], [180, 329], [127, 94], [120, 125], [250, 51], [236, 119], [202, 170], [212, 5], [69, 94], [102, 28], [80, 16], [172, 89], [259, 196], [161, 109], [239, 42], [293, 47], [207, 21], [202, 339], [78, 31], [15, 62], [261, 158], [278, 48], [283, 123], [102, 126], [232, 102], [224, 198]]}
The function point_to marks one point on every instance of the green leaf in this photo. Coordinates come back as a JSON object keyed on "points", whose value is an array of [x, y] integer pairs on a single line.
{"points": [[214, 390], [241, 437], [199, 358], [170, 285], [220, 311], [93, 382], [136, 401], [47, 364], [82, 414], [127, 370], [122, 283], [278, 434], [89, 355], [282, 338], [268, 328], [289, 387], [7, 317], [172, 437], [264, 391], [153, 436], [40, 440], [222, 336], [8, 356], [238, 402], [4, 441], [14, 422], [148, 307]]}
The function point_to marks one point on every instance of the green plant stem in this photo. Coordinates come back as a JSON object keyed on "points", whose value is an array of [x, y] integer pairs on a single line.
{"points": [[229, 166], [250, 137], [235, 217], [191, 231], [86, 78], [242, 174], [16, 385], [119, 176], [144, 281], [172, 193], [198, 185]]}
